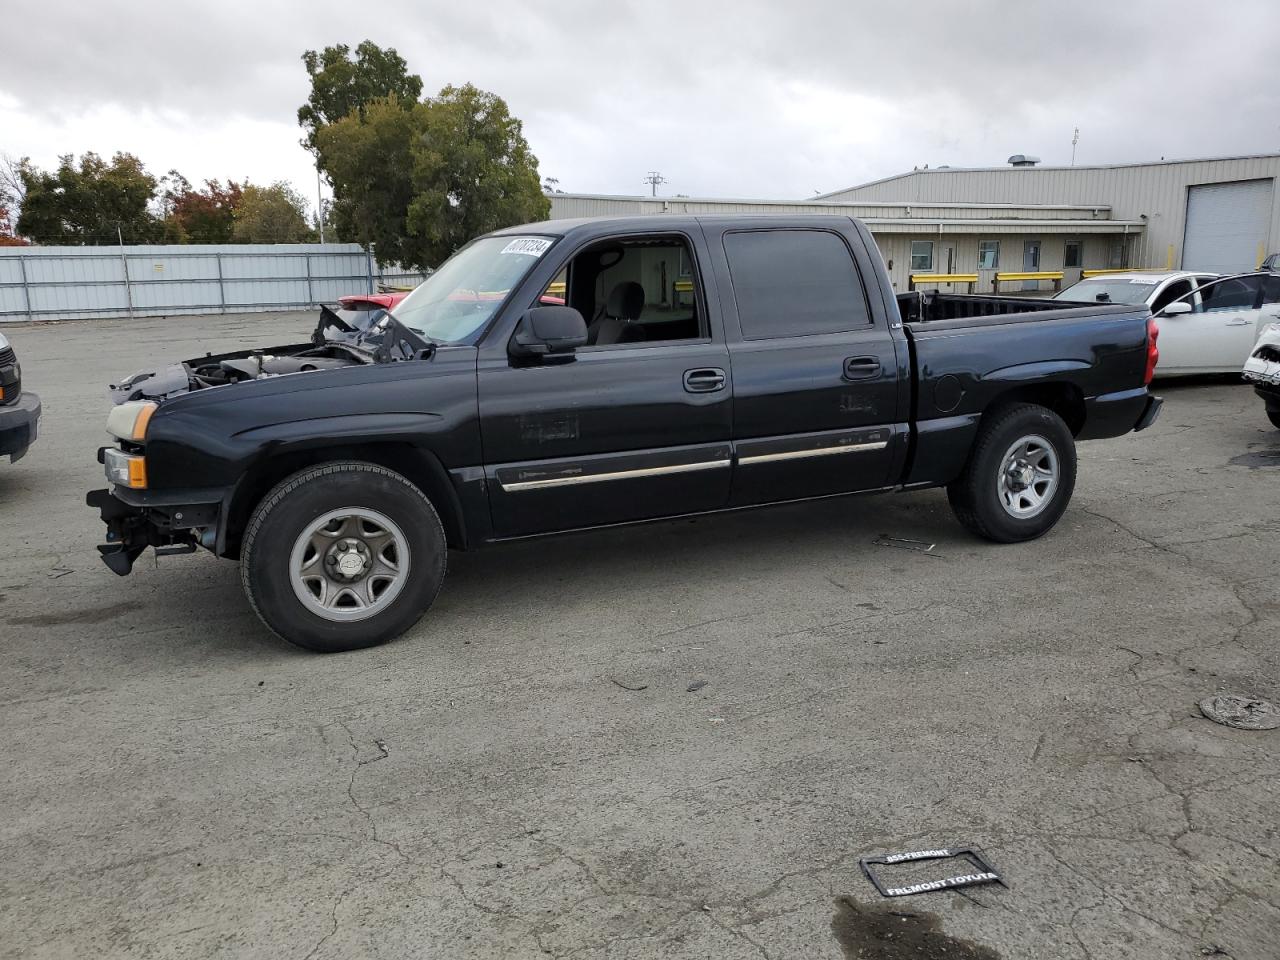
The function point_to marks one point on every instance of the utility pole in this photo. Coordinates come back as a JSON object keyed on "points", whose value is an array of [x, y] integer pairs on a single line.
{"points": [[1075, 138], [319, 203], [653, 178]]}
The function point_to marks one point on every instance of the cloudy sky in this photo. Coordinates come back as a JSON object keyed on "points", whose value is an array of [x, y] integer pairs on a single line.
{"points": [[745, 98]]}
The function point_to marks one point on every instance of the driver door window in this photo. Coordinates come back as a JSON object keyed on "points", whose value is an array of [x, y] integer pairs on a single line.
{"points": [[633, 290], [1174, 291]]}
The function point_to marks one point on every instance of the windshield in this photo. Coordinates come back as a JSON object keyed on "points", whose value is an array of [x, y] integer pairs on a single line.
{"points": [[1109, 290], [458, 299]]}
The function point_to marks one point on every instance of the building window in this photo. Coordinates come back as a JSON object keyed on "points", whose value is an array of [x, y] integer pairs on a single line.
{"points": [[922, 255], [988, 254], [1073, 255], [1115, 253]]}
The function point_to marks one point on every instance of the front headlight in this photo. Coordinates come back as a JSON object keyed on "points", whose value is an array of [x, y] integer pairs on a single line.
{"points": [[4, 342], [125, 469], [129, 421]]}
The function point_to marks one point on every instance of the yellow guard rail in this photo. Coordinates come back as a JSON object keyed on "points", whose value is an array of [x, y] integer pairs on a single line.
{"points": [[931, 278], [1054, 275]]}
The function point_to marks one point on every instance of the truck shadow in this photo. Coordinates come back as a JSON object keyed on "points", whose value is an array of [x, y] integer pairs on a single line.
{"points": [[612, 557]]}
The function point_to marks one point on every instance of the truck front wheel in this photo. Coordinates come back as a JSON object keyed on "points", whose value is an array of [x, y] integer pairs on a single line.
{"points": [[1020, 475], [343, 555]]}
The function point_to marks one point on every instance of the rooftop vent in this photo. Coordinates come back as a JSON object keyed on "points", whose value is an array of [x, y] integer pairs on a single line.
{"points": [[1022, 160]]}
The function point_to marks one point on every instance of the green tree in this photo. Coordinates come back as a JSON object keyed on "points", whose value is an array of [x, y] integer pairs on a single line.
{"points": [[274, 214], [421, 181], [369, 160], [200, 216], [341, 84], [472, 172], [87, 203]]}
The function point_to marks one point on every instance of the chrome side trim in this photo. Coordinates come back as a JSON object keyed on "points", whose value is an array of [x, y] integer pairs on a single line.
{"points": [[580, 478], [814, 452]]}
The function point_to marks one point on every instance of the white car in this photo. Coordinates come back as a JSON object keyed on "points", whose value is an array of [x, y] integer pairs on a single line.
{"points": [[1207, 324], [1262, 369]]}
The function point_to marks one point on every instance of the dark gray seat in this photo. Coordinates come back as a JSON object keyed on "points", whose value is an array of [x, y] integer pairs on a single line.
{"points": [[615, 321]]}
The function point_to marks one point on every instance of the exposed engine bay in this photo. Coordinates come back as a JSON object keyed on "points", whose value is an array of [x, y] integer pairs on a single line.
{"points": [[334, 344]]}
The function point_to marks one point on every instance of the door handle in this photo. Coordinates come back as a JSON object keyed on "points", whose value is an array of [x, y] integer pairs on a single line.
{"points": [[704, 380], [1239, 323], [861, 368]]}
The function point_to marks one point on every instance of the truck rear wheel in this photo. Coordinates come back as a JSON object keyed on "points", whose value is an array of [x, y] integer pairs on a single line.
{"points": [[1020, 475], [343, 555]]}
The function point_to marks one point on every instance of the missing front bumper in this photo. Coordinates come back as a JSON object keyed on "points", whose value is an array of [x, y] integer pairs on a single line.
{"points": [[131, 528]]}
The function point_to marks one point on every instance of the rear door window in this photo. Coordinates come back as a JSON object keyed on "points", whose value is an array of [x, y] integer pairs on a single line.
{"points": [[795, 283], [1234, 293]]}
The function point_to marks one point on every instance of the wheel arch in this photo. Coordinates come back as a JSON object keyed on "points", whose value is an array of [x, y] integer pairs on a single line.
{"points": [[419, 466], [1064, 399]]}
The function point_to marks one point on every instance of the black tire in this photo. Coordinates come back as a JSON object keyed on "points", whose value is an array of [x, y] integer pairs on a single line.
{"points": [[1274, 417], [976, 496], [294, 505]]}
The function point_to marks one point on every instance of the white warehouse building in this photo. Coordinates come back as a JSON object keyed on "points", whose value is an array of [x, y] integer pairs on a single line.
{"points": [[1028, 227]]}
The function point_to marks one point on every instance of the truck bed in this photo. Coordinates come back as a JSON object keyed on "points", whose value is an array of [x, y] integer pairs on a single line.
{"points": [[949, 311], [1085, 360]]}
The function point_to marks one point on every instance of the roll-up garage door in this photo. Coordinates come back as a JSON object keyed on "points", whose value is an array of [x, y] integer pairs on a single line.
{"points": [[1227, 223]]}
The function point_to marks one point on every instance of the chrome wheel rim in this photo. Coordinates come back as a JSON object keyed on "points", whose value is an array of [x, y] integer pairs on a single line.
{"points": [[349, 564], [1028, 477]]}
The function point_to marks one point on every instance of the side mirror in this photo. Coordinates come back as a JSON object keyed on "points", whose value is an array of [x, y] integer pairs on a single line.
{"points": [[548, 332], [1176, 309]]}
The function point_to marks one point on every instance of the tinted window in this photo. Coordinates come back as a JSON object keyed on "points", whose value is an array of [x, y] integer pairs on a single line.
{"points": [[1174, 291], [1236, 293], [1271, 290], [794, 283], [1072, 254]]}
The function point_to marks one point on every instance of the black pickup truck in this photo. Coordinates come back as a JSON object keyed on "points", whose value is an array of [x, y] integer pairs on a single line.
{"points": [[578, 374]]}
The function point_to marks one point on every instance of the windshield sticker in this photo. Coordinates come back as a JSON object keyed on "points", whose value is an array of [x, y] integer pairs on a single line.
{"points": [[1149, 283], [528, 246]]}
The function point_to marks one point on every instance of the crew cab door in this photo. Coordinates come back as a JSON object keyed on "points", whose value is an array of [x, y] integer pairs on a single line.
{"points": [[818, 400], [636, 424], [1216, 336]]}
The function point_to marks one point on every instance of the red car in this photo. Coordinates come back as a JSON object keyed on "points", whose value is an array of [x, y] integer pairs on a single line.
{"points": [[370, 303]]}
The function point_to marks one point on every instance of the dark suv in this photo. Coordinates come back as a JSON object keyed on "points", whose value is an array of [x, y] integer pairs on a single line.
{"points": [[19, 412]]}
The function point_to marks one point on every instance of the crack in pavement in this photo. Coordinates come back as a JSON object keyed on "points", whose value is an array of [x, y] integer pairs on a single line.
{"points": [[373, 835]]}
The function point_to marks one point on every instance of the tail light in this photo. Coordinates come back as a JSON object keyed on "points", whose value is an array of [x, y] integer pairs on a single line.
{"points": [[1153, 352]]}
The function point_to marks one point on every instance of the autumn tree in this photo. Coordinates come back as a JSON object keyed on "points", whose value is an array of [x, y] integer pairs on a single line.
{"points": [[88, 202], [200, 216], [341, 83], [274, 214]]}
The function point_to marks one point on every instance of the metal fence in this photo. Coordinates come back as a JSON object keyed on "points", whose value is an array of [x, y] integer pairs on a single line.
{"points": [[57, 283]]}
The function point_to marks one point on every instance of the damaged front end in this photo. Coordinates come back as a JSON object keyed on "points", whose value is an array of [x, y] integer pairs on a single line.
{"points": [[335, 343], [132, 527], [177, 521]]}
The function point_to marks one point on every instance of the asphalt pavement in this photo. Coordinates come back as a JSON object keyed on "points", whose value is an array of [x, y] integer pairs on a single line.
{"points": [[527, 773]]}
